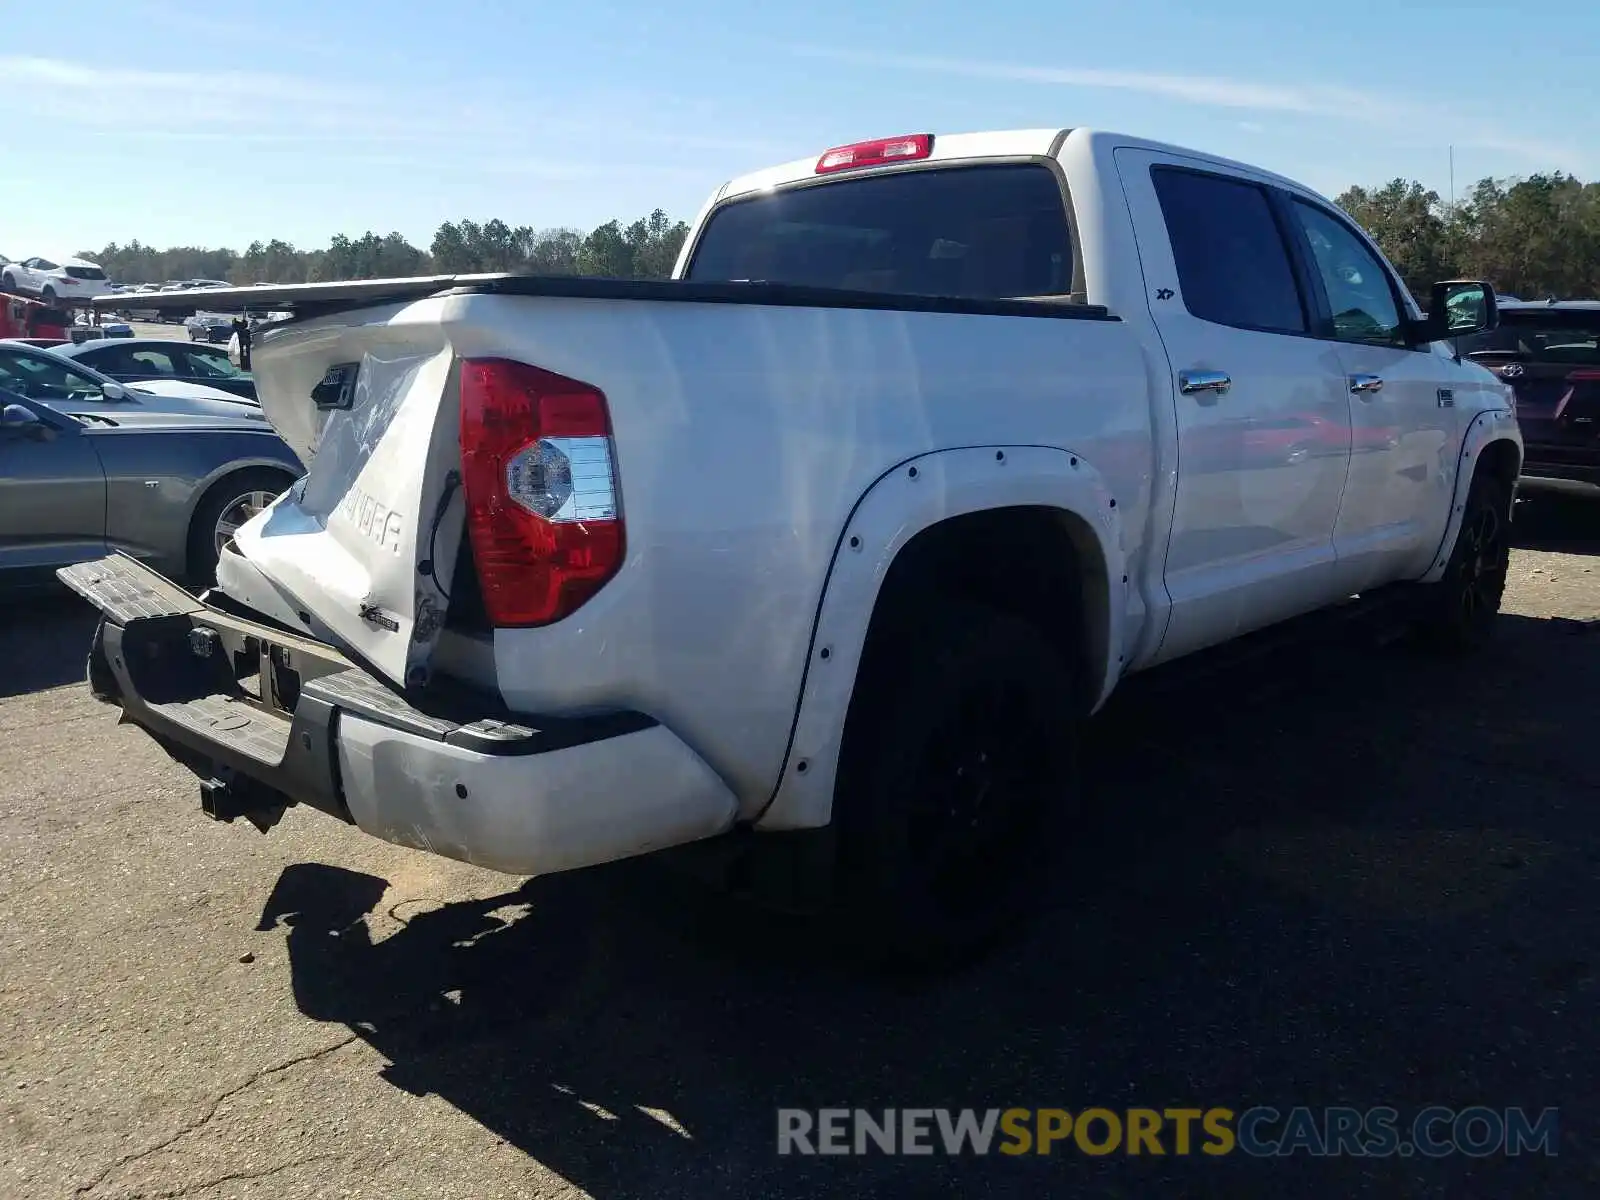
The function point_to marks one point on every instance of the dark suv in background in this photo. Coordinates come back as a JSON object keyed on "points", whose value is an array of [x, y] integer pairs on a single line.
{"points": [[1550, 355]]}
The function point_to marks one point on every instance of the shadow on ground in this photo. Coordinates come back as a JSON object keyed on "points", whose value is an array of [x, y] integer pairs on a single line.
{"points": [[1344, 874], [44, 641], [1553, 521]]}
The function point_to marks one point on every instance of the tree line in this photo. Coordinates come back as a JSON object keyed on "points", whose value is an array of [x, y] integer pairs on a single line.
{"points": [[645, 249], [1533, 237]]}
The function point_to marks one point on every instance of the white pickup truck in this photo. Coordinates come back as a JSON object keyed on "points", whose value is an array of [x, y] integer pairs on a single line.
{"points": [[830, 543]]}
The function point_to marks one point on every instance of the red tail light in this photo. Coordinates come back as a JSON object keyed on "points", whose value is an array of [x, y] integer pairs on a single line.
{"points": [[876, 153], [539, 479]]}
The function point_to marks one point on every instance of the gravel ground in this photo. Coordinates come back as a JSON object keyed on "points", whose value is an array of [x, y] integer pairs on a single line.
{"points": [[1341, 874]]}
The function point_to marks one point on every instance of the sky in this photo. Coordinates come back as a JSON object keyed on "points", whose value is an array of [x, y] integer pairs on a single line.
{"points": [[217, 124]]}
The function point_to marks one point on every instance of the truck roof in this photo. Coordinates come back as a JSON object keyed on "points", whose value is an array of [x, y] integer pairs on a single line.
{"points": [[1003, 143]]}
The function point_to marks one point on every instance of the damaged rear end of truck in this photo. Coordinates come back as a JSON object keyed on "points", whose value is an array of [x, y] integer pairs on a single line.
{"points": [[344, 658], [582, 569]]}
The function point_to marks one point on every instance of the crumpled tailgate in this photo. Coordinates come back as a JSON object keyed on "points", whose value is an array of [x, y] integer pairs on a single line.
{"points": [[367, 540]]}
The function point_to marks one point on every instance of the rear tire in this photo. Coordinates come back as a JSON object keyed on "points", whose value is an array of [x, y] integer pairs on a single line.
{"points": [[48, 295], [957, 780], [1459, 611], [223, 497]]}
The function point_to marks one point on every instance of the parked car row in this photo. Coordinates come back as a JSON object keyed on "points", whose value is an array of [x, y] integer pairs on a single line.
{"points": [[156, 448], [74, 281], [54, 376], [136, 312], [153, 360]]}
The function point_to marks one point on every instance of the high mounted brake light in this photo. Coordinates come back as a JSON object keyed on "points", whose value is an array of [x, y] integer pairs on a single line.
{"points": [[877, 153], [540, 484]]}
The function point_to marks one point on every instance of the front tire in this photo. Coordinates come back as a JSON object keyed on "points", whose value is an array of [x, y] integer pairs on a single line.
{"points": [[957, 779], [1460, 611]]}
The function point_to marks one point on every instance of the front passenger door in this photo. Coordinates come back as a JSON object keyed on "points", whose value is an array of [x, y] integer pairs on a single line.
{"points": [[1403, 429]]}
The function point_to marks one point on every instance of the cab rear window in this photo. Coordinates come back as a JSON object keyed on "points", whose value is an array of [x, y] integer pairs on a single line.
{"points": [[975, 232]]}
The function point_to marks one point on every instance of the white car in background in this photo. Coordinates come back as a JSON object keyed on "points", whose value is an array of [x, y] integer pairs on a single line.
{"points": [[55, 280]]}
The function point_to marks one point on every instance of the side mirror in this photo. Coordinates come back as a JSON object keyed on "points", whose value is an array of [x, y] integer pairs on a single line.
{"points": [[114, 392], [1460, 308], [18, 421]]}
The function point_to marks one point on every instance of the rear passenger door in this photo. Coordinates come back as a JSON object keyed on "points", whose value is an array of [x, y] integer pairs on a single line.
{"points": [[1260, 409], [1402, 414]]}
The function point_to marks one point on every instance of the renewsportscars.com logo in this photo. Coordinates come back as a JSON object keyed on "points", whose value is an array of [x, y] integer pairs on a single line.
{"points": [[1260, 1132]]}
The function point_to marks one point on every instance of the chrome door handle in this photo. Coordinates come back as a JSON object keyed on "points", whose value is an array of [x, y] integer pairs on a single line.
{"points": [[1190, 382], [1363, 385]]}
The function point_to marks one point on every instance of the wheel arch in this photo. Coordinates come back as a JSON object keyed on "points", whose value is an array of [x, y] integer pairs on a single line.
{"points": [[1053, 533], [1492, 442], [208, 487]]}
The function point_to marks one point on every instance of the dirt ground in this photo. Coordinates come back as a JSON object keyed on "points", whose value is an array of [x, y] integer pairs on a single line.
{"points": [[1342, 874]]}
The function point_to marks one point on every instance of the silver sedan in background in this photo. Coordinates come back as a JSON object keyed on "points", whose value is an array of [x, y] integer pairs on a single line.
{"points": [[140, 361], [167, 488]]}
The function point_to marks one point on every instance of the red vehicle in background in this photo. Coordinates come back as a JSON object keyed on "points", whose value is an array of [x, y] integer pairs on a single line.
{"points": [[22, 317]]}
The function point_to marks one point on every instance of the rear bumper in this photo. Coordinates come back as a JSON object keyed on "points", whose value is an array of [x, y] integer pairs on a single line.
{"points": [[455, 775]]}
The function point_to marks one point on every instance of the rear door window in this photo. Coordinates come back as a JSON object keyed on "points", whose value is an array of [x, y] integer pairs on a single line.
{"points": [[979, 232], [1233, 263]]}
